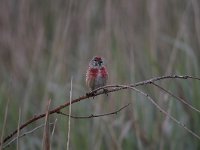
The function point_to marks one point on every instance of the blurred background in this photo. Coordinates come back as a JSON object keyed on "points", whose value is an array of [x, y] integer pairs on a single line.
{"points": [[43, 44]]}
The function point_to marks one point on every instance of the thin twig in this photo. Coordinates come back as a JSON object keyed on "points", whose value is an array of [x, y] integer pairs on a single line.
{"points": [[150, 81], [94, 116], [24, 134], [176, 97], [115, 88], [163, 111], [37, 117]]}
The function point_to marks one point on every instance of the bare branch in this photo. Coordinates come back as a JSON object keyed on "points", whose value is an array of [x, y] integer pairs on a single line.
{"points": [[37, 117], [176, 97], [95, 93], [95, 116], [150, 81], [163, 111], [26, 133]]}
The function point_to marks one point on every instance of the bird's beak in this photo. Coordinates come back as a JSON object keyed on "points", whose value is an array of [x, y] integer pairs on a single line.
{"points": [[100, 62]]}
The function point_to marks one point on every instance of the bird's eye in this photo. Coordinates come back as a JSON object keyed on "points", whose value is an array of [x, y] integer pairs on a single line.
{"points": [[95, 63]]}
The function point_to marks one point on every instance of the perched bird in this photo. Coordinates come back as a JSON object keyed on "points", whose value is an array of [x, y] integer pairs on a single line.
{"points": [[97, 74]]}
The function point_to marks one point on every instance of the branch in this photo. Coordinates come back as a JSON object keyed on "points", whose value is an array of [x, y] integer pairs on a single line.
{"points": [[95, 116], [93, 94], [26, 133], [150, 81], [37, 117], [176, 97], [163, 111]]}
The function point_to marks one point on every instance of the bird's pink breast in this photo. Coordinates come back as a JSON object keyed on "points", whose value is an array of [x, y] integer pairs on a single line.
{"points": [[93, 72], [96, 77], [103, 72]]}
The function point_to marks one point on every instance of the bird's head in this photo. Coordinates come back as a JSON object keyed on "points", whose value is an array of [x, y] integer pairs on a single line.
{"points": [[97, 62]]}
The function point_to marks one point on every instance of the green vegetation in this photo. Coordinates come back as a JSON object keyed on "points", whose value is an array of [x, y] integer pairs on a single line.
{"points": [[45, 43]]}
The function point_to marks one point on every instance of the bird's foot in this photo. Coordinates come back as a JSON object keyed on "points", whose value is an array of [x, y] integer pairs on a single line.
{"points": [[105, 91], [90, 94]]}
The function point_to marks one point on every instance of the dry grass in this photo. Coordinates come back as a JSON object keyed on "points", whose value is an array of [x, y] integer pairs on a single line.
{"points": [[44, 43]]}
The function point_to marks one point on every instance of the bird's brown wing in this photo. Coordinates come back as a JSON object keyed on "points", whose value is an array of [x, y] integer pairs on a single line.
{"points": [[90, 81]]}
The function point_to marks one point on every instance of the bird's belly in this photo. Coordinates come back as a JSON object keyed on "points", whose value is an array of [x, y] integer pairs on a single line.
{"points": [[100, 81]]}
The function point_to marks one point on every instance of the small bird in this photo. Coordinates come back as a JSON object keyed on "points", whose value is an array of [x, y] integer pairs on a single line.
{"points": [[97, 74]]}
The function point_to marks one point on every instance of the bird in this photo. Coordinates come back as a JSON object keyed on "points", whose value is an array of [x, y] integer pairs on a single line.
{"points": [[97, 74]]}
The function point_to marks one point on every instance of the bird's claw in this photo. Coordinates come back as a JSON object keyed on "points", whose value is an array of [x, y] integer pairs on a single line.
{"points": [[90, 94], [105, 91]]}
